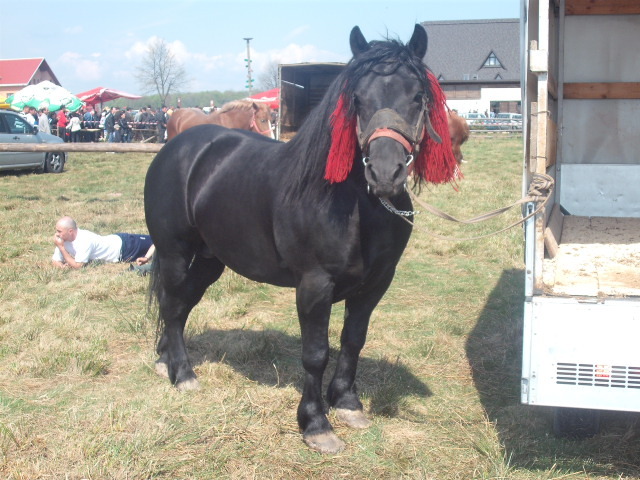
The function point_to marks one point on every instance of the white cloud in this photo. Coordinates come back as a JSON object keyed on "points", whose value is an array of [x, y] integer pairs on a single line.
{"points": [[83, 68]]}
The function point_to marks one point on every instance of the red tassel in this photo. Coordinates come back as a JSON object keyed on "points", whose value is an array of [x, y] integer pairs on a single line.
{"points": [[343, 144], [436, 162]]}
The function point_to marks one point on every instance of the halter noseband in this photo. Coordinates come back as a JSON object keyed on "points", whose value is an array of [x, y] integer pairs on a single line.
{"points": [[254, 125], [387, 123]]}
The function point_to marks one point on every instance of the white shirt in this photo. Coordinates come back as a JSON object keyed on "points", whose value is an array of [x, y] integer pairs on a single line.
{"points": [[90, 246]]}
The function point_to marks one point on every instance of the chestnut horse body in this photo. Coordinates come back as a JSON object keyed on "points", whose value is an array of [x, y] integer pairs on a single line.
{"points": [[459, 132], [244, 114]]}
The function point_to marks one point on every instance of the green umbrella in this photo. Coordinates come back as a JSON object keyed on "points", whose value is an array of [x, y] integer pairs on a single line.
{"points": [[45, 94]]}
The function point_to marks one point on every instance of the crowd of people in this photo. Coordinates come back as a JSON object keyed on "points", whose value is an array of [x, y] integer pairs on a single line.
{"points": [[112, 124]]}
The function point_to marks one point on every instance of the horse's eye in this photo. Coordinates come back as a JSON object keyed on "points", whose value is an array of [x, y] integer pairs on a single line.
{"points": [[418, 98]]}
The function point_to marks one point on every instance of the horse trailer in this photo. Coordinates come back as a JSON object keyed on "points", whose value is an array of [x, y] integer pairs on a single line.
{"points": [[302, 86], [581, 105]]}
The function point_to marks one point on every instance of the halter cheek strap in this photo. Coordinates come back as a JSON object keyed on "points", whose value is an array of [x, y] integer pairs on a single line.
{"points": [[387, 123], [254, 125]]}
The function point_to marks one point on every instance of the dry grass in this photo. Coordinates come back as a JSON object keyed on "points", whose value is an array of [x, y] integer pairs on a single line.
{"points": [[439, 374]]}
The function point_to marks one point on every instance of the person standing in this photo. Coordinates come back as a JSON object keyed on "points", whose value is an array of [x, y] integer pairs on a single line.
{"points": [[89, 123], [43, 120], [63, 121], [27, 115], [161, 124], [75, 127], [109, 125]]}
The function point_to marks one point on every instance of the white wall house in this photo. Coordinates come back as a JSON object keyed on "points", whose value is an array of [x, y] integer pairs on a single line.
{"points": [[477, 63]]}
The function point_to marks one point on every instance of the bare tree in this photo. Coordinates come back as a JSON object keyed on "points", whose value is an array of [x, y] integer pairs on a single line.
{"points": [[268, 79], [160, 71]]}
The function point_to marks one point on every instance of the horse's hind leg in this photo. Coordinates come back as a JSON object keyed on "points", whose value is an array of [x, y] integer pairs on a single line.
{"points": [[342, 393], [181, 286]]}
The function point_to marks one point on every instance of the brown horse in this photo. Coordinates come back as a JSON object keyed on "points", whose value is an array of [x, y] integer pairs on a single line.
{"points": [[244, 114], [459, 132]]}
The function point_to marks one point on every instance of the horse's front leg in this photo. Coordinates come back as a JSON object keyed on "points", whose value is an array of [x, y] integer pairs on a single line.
{"points": [[342, 393], [313, 300]]}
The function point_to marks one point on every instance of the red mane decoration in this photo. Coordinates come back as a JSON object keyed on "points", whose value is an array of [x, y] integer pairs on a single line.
{"points": [[343, 144], [435, 162]]}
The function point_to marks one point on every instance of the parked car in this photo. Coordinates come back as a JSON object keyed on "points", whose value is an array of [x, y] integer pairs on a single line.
{"points": [[15, 129], [512, 117], [474, 118]]}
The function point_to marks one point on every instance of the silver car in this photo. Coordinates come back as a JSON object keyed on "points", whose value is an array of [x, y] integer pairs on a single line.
{"points": [[15, 129]]}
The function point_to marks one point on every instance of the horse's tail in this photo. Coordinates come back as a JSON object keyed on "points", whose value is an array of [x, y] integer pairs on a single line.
{"points": [[155, 290]]}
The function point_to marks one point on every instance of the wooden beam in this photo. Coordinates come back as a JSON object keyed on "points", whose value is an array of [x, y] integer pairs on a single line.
{"points": [[602, 7], [602, 90], [82, 147], [553, 232]]}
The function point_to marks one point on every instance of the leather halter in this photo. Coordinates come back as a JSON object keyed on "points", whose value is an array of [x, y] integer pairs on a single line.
{"points": [[254, 125], [387, 123]]}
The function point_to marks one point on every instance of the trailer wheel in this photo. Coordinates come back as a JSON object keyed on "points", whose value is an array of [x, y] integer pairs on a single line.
{"points": [[576, 423]]}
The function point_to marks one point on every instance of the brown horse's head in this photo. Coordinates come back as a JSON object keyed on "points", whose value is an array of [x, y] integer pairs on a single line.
{"points": [[459, 133], [261, 121]]}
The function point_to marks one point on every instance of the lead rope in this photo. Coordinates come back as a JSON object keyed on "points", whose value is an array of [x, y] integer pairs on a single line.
{"points": [[539, 191]]}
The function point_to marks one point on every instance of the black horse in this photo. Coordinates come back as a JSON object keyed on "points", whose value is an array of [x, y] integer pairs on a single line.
{"points": [[315, 214]]}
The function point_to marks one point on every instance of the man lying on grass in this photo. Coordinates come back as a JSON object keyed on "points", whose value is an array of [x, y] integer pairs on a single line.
{"points": [[76, 247]]}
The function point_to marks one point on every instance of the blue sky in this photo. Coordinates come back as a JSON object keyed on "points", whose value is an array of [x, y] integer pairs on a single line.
{"points": [[93, 43]]}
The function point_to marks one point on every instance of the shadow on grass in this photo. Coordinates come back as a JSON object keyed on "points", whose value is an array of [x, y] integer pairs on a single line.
{"points": [[494, 350], [273, 358]]}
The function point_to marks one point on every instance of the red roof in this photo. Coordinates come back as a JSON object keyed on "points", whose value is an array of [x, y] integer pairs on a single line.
{"points": [[20, 72]]}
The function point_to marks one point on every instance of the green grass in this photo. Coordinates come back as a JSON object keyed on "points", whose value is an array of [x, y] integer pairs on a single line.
{"points": [[439, 375]]}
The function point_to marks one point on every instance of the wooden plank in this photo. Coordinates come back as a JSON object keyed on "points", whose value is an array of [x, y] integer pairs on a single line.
{"points": [[82, 147], [602, 7], [552, 143], [602, 90], [533, 138], [553, 232]]}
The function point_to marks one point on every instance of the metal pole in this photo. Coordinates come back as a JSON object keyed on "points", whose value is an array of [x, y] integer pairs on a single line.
{"points": [[249, 70]]}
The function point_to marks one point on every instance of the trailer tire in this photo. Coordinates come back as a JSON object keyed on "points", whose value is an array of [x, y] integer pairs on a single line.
{"points": [[576, 423]]}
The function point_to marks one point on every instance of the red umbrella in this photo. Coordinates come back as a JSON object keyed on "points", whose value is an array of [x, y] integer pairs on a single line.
{"points": [[270, 97], [102, 94]]}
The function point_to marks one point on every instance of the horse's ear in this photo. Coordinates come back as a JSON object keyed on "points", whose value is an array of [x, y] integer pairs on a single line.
{"points": [[419, 41], [255, 106], [357, 41]]}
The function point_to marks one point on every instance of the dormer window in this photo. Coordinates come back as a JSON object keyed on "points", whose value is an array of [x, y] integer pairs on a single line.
{"points": [[492, 61]]}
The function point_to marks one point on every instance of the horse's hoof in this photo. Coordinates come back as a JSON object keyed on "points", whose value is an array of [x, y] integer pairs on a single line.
{"points": [[188, 385], [327, 442], [162, 369], [353, 418]]}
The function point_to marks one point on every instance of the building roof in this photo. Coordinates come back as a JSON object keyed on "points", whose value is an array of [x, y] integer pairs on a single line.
{"points": [[21, 71], [458, 50]]}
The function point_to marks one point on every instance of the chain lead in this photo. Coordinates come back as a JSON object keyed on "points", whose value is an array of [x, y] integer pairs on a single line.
{"points": [[392, 209]]}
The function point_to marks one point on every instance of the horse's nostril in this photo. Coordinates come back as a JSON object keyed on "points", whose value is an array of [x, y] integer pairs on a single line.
{"points": [[374, 177], [399, 171]]}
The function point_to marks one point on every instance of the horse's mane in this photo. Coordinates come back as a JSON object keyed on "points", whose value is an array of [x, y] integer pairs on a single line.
{"points": [[240, 105], [310, 147]]}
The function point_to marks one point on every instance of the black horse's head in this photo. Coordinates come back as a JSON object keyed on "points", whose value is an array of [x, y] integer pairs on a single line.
{"points": [[385, 106], [390, 104]]}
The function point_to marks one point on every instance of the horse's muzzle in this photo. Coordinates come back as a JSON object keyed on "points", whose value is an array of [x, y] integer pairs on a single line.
{"points": [[385, 169]]}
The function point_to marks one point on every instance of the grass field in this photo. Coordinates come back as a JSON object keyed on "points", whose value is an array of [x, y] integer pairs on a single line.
{"points": [[439, 376]]}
